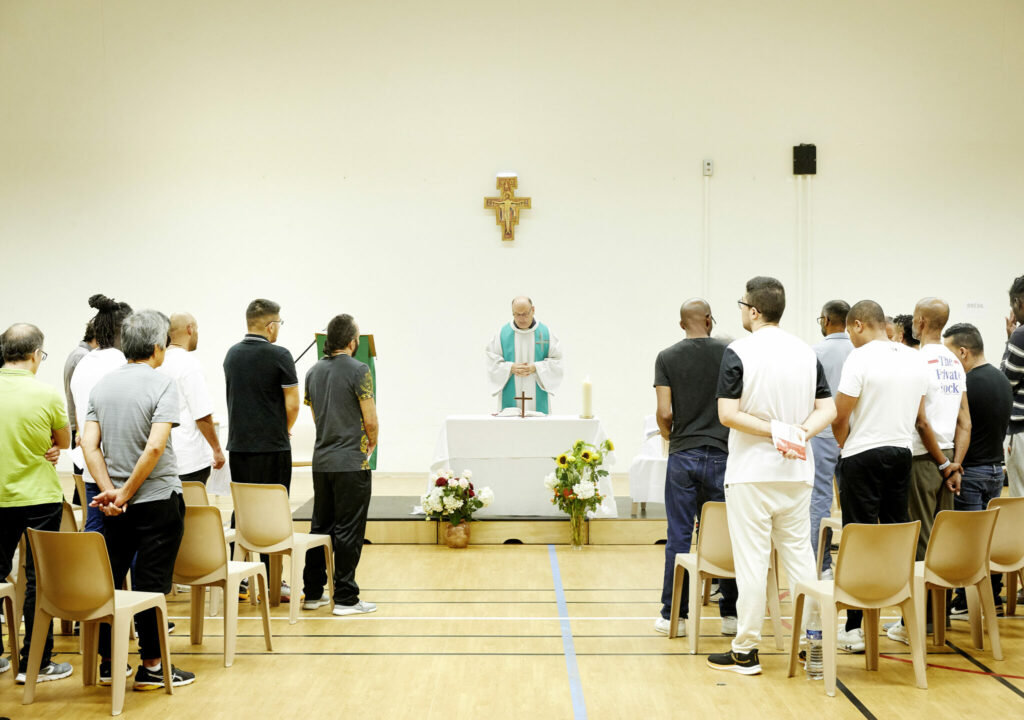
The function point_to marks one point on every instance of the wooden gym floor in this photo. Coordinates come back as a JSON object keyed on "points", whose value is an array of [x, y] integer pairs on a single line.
{"points": [[512, 631]]}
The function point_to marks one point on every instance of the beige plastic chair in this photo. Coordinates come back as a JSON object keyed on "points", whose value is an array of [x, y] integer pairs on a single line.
{"points": [[74, 582], [263, 524], [203, 561], [713, 559], [1008, 545], [7, 596], [958, 556], [836, 526], [84, 507], [874, 570], [67, 519], [194, 493]]}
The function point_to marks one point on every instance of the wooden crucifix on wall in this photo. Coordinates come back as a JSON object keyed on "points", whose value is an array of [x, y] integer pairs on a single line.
{"points": [[507, 206]]}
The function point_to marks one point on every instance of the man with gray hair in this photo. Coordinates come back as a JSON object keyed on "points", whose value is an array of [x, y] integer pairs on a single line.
{"points": [[32, 421], [127, 448], [524, 359]]}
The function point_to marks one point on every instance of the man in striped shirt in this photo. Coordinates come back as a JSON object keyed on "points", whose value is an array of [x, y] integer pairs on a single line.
{"points": [[1013, 367]]}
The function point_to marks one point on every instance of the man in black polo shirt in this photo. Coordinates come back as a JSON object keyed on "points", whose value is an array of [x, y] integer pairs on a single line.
{"points": [[685, 380], [263, 402], [990, 402]]}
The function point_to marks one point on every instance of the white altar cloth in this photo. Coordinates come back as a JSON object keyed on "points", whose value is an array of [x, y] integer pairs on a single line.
{"points": [[512, 455], [648, 469]]}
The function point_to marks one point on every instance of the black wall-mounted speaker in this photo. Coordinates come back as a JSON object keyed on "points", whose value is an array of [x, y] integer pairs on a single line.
{"points": [[805, 160]]}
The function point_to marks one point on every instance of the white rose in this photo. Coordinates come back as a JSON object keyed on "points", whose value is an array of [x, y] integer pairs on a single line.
{"points": [[550, 481], [584, 489], [467, 474], [486, 496], [463, 483], [448, 473]]}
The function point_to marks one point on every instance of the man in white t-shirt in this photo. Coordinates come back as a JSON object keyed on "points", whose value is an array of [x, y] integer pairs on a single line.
{"points": [[879, 400], [769, 375], [946, 426], [195, 441]]}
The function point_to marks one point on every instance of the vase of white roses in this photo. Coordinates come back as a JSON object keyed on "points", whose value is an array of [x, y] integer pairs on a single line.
{"points": [[574, 484], [452, 499]]}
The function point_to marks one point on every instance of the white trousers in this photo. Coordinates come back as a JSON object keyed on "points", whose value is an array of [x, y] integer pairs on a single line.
{"points": [[1015, 464], [761, 513]]}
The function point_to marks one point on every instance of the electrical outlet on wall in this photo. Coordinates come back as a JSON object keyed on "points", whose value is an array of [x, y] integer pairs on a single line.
{"points": [[709, 168]]}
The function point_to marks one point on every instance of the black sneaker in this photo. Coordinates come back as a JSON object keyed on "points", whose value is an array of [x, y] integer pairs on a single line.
{"points": [[105, 678], [742, 663], [146, 679], [957, 609]]}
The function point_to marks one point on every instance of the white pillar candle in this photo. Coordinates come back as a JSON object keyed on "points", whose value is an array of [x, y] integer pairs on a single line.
{"points": [[588, 399]]}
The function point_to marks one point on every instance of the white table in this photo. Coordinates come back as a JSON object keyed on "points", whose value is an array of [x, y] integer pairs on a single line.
{"points": [[648, 469], [512, 455]]}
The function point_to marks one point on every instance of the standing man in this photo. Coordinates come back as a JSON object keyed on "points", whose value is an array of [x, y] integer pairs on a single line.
{"points": [[945, 427], [990, 403], [685, 376], [127, 447], [1013, 367], [769, 375], [263, 404], [524, 357], [32, 421], [196, 445], [339, 390], [880, 397], [832, 353], [81, 350]]}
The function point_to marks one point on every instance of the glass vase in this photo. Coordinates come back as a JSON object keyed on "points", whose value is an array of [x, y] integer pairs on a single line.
{"points": [[576, 525]]}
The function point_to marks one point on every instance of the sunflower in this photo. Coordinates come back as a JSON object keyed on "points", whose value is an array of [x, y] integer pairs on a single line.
{"points": [[608, 444], [586, 456], [563, 460]]}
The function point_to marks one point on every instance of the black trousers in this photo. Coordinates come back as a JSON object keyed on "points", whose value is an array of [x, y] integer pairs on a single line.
{"points": [[873, 487], [340, 503], [13, 523], [269, 468], [145, 538], [197, 476]]}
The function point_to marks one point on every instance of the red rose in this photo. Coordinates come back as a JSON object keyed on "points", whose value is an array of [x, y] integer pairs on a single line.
{"points": [[471, 486], [441, 482], [470, 493]]}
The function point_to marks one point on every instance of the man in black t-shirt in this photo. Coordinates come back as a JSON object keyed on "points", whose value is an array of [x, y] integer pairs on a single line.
{"points": [[263, 403], [685, 380], [339, 390], [990, 402]]}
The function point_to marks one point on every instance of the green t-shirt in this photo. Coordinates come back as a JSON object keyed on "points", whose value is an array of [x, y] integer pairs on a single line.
{"points": [[29, 413]]}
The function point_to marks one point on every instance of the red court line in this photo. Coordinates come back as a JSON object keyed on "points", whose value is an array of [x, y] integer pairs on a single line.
{"points": [[947, 667]]}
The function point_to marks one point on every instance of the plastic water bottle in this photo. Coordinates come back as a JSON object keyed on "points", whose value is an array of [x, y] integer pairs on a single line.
{"points": [[814, 667]]}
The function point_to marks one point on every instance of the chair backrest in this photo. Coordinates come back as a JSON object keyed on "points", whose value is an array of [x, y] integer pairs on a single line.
{"points": [[202, 550], [714, 548], [263, 517], [1008, 536], [875, 567], [958, 548], [73, 578], [194, 493], [67, 519]]}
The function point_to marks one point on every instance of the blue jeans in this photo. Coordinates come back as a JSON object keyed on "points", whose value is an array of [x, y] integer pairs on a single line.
{"points": [[693, 477], [980, 483], [94, 517], [826, 455]]}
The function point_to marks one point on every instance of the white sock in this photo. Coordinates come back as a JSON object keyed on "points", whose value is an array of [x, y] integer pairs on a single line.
{"points": [[159, 667]]}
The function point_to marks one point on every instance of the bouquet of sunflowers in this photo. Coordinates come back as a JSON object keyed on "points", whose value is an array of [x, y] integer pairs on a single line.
{"points": [[574, 483]]}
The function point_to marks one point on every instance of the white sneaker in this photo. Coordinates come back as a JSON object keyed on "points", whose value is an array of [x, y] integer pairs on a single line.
{"points": [[889, 625], [325, 599], [360, 608], [898, 632], [661, 626], [851, 640], [828, 574], [5, 665], [729, 625]]}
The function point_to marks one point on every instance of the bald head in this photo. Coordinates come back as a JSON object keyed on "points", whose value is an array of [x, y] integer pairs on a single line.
{"points": [[522, 312], [930, 316], [184, 331], [695, 317], [20, 343]]}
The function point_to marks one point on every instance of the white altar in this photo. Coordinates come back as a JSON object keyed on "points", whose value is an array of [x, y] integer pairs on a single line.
{"points": [[512, 455]]}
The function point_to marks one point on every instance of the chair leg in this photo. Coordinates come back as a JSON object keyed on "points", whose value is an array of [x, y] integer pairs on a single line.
{"points": [[1010, 579], [276, 574], [775, 610], [329, 554], [914, 621], [90, 640], [696, 611], [974, 615], [870, 626], [12, 632], [677, 592], [298, 560], [991, 621], [217, 595], [120, 626], [705, 595], [794, 645], [829, 641], [920, 598], [231, 626], [165, 648], [35, 654], [820, 559], [198, 614], [265, 612]]}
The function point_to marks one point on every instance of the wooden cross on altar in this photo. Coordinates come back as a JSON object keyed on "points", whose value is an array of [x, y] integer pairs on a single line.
{"points": [[522, 401], [506, 207]]}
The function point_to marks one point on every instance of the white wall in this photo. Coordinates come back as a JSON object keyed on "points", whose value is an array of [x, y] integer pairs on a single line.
{"points": [[334, 157]]}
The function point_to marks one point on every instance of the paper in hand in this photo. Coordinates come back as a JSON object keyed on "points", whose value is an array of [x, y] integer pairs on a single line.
{"points": [[789, 437]]}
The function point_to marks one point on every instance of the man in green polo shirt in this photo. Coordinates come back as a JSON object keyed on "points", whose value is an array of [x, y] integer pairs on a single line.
{"points": [[33, 421]]}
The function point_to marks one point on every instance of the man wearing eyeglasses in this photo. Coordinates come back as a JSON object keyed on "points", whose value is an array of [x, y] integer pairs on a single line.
{"points": [[832, 353], [33, 422], [263, 402], [524, 357]]}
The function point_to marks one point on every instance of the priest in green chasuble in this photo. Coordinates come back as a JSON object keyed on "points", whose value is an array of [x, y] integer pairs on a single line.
{"points": [[524, 357]]}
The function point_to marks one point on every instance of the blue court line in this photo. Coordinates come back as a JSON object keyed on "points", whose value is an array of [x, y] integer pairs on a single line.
{"points": [[579, 706]]}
